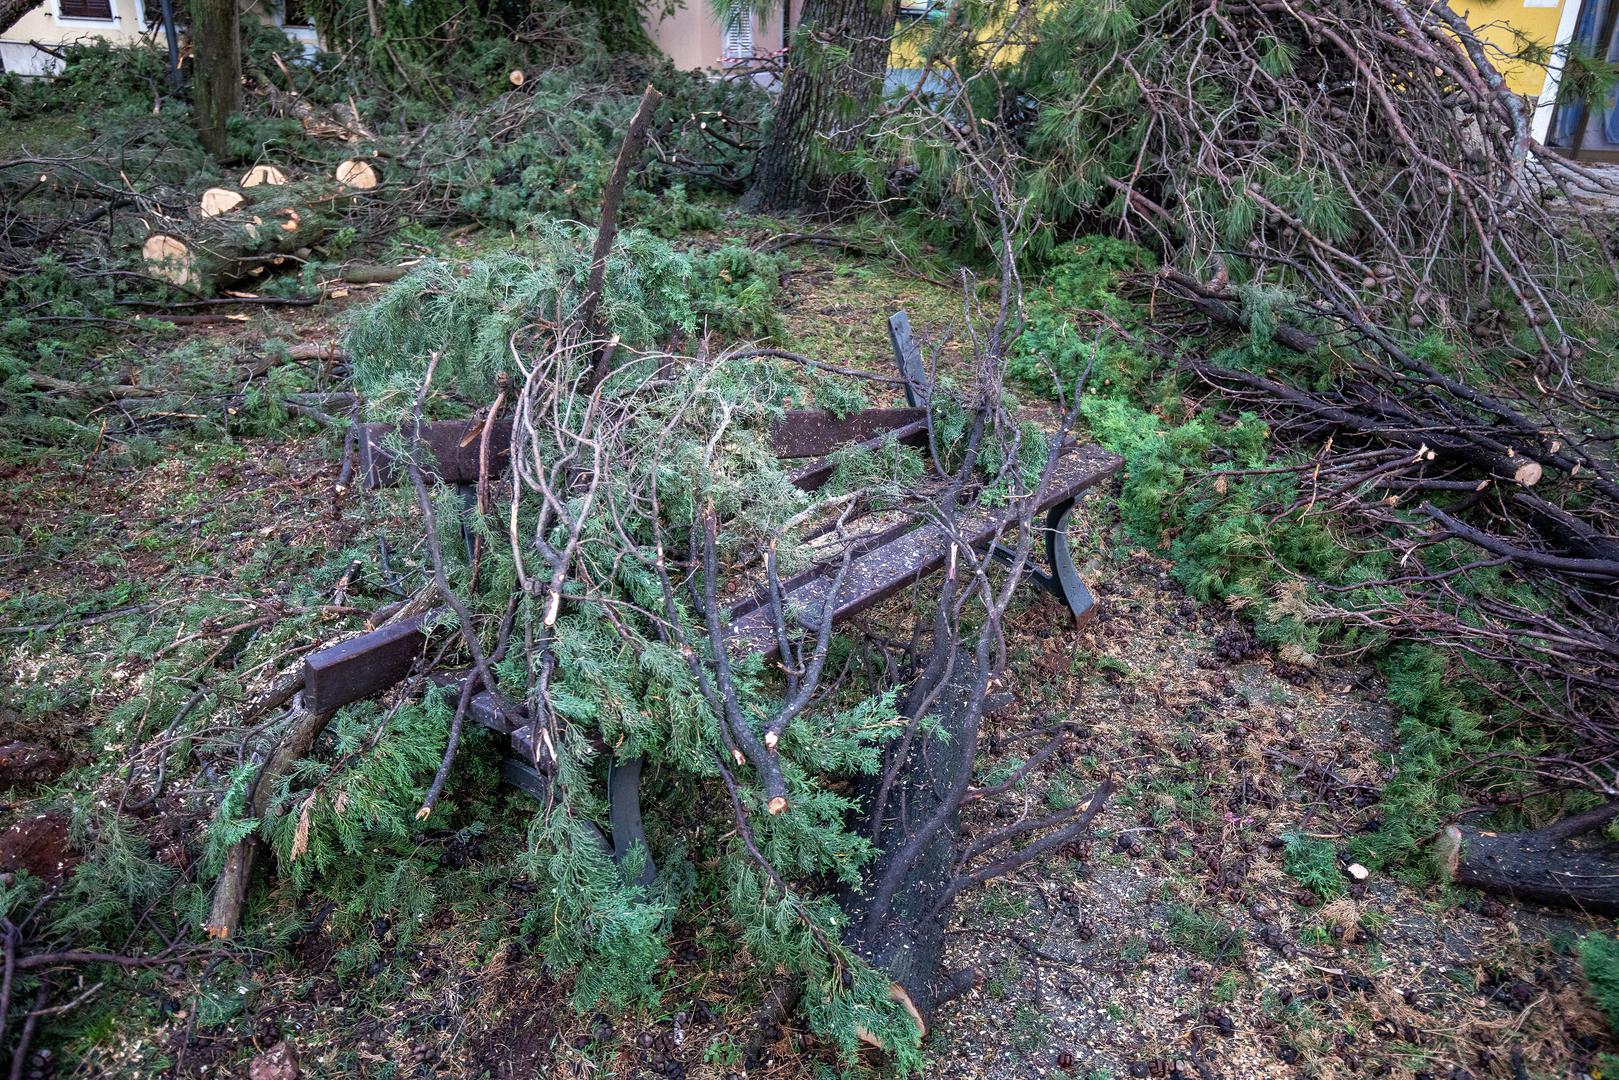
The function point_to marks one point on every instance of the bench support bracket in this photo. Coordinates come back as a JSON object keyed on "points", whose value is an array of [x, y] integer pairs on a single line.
{"points": [[1063, 580]]}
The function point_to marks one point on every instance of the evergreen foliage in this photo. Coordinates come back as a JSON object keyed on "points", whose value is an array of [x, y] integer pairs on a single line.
{"points": [[1314, 863], [490, 155], [458, 49], [620, 688], [1195, 488], [468, 313], [1599, 959], [550, 150]]}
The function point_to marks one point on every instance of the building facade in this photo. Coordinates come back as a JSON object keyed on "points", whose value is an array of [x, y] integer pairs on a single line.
{"points": [[1590, 133], [30, 47]]}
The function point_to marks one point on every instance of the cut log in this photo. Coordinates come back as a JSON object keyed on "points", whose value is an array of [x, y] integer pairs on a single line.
{"points": [[170, 258], [262, 175], [517, 78], [218, 200], [213, 253], [1546, 866], [357, 174], [1527, 472], [374, 275]]}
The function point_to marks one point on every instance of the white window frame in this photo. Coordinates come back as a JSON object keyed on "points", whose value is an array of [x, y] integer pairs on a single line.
{"points": [[739, 33], [1546, 103], [102, 24]]}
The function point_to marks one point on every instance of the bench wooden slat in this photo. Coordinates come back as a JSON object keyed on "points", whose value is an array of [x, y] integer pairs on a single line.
{"points": [[808, 433], [452, 445], [878, 574], [361, 666], [915, 433]]}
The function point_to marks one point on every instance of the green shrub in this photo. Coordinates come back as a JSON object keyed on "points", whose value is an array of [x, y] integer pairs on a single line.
{"points": [[1599, 960], [1313, 862], [551, 152]]}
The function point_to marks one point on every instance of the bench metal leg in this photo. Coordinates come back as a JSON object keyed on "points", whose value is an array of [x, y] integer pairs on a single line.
{"points": [[1063, 581], [624, 811], [908, 357], [623, 799], [525, 778]]}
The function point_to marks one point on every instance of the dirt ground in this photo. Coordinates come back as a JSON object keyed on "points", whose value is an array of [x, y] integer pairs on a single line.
{"points": [[1176, 945], [1173, 944]]}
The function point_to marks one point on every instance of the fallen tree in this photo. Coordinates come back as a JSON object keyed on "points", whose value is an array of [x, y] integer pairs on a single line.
{"points": [[1388, 272], [593, 608]]}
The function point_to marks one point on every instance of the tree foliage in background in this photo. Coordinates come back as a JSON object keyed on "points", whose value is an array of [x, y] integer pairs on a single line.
{"points": [[434, 49]]}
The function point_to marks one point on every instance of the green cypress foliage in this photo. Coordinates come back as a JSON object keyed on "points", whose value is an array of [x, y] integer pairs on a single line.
{"points": [[1195, 488], [697, 435], [468, 313]]}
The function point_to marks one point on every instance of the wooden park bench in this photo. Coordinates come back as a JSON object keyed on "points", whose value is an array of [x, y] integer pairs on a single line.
{"points": [[886, 560]]}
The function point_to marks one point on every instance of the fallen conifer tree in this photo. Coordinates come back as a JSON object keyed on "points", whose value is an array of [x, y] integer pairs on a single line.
{"points": [[1362, 243]]}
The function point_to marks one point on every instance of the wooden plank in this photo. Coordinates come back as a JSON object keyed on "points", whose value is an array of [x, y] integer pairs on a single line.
{"points": [[913, 434], [880, 573], [861, 545], [450, 447], [450, 450], [361, 666]]}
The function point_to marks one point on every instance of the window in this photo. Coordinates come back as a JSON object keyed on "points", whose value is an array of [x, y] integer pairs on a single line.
{"points": [[739, 33], [84, 9], [1590, 131], [920, 9]]}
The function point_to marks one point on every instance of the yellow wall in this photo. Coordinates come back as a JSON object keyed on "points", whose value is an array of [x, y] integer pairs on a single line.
{"points": [[1496, 20], [1496, 23], [912, 35]]}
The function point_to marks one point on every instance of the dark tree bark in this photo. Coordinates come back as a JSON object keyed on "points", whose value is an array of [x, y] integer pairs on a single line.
{"points": [[628, 152], [909, 942], [216, 38], [1543, 866], [12, 11], [822, 98]]}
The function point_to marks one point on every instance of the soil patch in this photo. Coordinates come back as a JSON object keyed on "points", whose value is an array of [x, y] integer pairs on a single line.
{"points": [[39, 845]]}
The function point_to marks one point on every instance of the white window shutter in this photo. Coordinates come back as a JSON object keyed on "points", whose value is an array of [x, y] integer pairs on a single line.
{"points": [[739, 33]]}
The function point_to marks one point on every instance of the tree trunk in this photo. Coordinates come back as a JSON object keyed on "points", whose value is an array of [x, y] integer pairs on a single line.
{"points": [[821, 99], [909, 945], [1544, 866], [12, 11], [216, 39], [211, 253]]}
